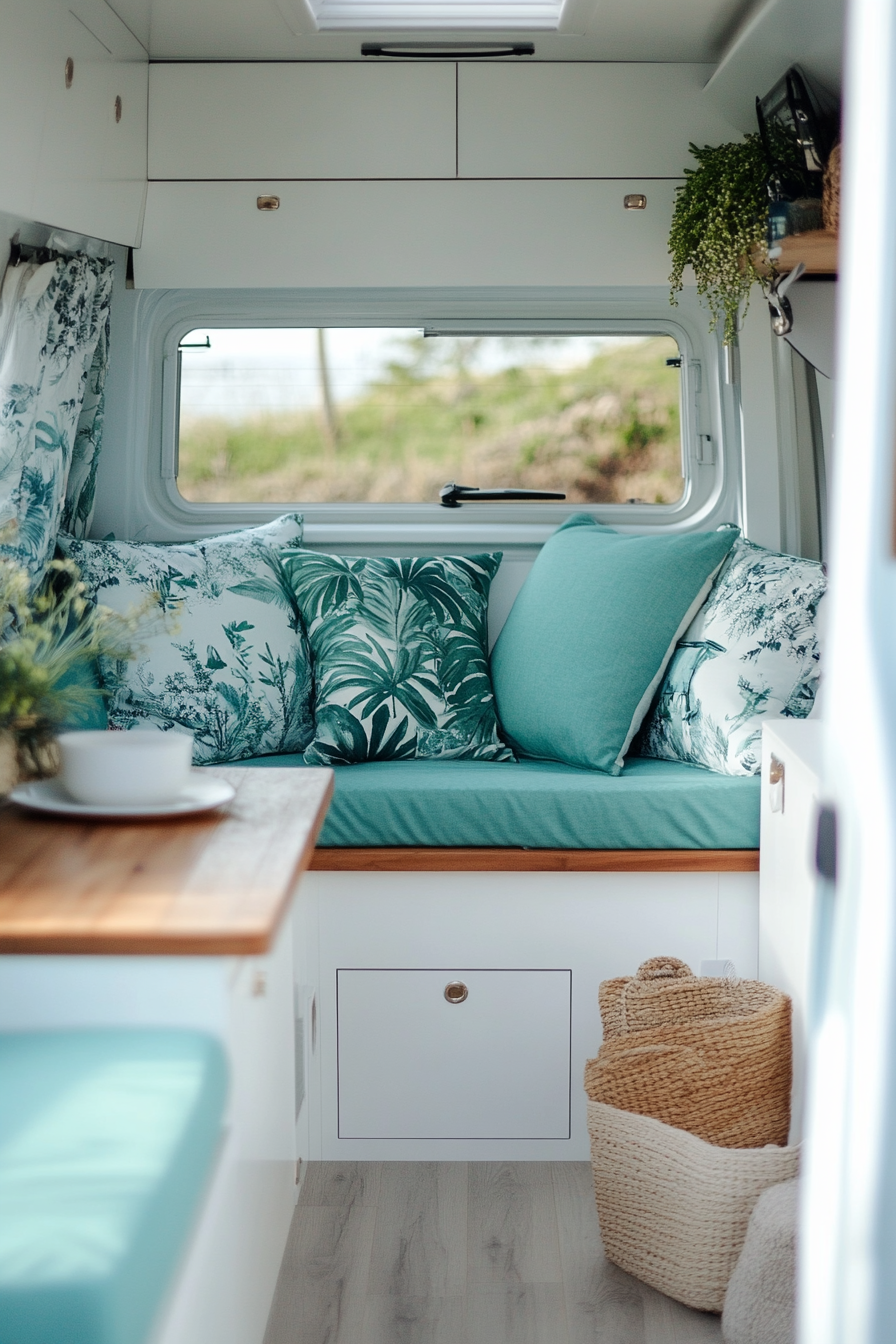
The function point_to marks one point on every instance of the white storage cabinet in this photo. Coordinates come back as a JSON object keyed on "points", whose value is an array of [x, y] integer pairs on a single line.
{"points": [[454, 1053], [400, 1074]]}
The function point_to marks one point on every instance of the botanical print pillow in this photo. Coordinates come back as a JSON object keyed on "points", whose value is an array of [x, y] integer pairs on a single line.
{"points": [[400, 657], [226, 656], [751, 653]]}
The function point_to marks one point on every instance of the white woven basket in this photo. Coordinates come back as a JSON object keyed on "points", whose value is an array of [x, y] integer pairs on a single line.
{"points": [[674, 1209]]}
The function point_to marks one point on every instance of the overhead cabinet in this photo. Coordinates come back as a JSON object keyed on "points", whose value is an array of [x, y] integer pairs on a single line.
{"points": [[200, 234], [302, 120], [598, 119], [76, 159], [440, 119]]}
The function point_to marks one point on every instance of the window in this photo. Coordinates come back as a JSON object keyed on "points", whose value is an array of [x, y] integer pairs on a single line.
{"points": [[416, 15], [342, 415]]}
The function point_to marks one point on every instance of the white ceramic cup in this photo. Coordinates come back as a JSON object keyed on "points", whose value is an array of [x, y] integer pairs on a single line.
{"points": [[125, 769]]}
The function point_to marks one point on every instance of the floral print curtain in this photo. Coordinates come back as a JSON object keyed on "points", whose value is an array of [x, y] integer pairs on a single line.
{"points": [[54, 320]]}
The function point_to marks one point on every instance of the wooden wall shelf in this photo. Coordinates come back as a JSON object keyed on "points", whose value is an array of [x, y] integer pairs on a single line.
{"points": [[817, 250]]}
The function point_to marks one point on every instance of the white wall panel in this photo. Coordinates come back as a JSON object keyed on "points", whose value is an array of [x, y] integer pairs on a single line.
{"points": [[298, 120], [583, 120], [211, 234]]}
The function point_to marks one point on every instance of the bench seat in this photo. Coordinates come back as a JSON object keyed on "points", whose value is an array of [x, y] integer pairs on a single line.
{"points": [[106, 1141], [652, 805]]}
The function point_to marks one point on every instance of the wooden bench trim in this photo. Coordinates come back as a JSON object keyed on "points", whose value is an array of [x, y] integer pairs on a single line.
{"points": [[469, 860]]}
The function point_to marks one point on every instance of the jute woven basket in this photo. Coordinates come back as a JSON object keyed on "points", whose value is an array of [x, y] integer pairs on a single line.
{"points": [[673, 1209], [830, 198], [707, 1055]]}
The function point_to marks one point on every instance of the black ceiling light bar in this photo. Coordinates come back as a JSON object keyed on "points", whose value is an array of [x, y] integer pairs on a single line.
{"points": [[447, 51], [451, 496]]}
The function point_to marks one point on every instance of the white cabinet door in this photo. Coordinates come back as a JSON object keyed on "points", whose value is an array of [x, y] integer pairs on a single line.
{"points": [[583, 120], [787, 878], [403, 234], [414, 1065], [301, 120]]}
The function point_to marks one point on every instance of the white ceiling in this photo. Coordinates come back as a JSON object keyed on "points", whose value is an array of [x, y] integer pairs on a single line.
{"points": [[613, 30]]}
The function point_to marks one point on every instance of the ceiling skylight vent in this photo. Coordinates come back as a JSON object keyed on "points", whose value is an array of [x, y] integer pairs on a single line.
{"points": [[439, 15]]}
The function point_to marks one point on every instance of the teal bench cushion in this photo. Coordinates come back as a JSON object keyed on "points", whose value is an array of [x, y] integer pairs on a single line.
{"points": [[106, 1140], [538, 805]]}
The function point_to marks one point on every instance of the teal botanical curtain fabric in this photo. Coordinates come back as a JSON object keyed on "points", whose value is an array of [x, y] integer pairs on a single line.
{"points": [[751, 653], [223, 653], [400, 657], [80, 493], [52, 317]]}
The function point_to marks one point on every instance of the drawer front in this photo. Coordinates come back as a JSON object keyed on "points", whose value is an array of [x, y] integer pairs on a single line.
{"points": [[414, 1064]]}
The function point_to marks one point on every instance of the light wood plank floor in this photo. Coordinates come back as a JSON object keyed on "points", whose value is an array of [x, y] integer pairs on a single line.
{"points": [[462, 1253]]}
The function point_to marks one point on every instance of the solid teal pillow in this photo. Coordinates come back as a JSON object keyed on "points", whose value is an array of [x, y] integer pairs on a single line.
{"points": [[589, 636]]}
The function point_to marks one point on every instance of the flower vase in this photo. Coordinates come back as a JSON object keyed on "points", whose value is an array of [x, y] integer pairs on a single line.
{"points": [[9, 763]]}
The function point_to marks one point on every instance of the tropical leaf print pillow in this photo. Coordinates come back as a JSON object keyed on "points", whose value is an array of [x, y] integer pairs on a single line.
{"points": [[751, 653], [225, 656], [400, 657]]}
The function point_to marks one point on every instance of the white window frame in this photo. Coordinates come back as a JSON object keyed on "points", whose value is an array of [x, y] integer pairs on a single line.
{"points": [[709, 412]]}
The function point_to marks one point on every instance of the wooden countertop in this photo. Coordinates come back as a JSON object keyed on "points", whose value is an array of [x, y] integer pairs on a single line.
{"points": [[214, 884]]}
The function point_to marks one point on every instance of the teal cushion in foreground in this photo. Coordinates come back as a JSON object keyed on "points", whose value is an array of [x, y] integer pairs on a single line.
{"points": [[538, 805], [589, 636], [106, 1140]]}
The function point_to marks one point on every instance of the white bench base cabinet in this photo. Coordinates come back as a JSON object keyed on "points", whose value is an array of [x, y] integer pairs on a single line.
{"points": [[583, 927]]}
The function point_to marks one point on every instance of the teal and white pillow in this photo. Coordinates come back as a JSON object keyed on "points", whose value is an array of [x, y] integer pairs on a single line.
{"points": [[750, 654], [224, 654], [400, 657]]}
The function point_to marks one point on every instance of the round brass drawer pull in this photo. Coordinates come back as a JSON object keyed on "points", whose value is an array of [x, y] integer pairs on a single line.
{"points": [[456, 991]]}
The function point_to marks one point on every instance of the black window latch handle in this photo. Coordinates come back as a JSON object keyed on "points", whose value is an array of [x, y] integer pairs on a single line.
{"points": [[451, 496]]}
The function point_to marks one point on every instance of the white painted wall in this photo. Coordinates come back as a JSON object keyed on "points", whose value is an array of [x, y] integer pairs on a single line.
{"points": [[759, 427]]}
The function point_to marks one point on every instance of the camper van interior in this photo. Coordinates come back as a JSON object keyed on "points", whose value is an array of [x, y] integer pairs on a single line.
{"points": [[520, 625]]}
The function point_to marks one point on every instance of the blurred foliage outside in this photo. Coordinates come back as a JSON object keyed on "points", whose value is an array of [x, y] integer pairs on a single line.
{"points": [[605, 432]]}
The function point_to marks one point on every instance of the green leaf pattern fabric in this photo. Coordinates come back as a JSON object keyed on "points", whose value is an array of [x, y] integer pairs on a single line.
{"points": [[80, 491], [400, 656], [52, 318], [224, 655], [751, 653]]}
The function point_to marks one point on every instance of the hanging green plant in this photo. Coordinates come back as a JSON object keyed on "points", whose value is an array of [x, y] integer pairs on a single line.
{"points": [[721, 213]]}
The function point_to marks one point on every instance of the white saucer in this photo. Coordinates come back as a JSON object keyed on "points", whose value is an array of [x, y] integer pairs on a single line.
{"points": [[201, 795]]}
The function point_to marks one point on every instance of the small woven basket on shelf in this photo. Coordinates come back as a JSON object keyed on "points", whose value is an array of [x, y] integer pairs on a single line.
{"points": [[711, 1056], [830, 195], [673, 1209]]}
